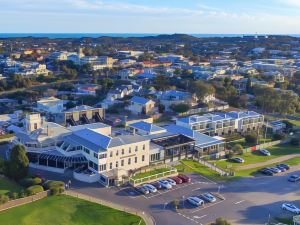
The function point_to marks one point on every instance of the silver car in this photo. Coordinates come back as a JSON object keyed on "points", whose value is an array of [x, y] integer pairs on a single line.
{"points": [[150, 188], [195, 201], [208, 197]]}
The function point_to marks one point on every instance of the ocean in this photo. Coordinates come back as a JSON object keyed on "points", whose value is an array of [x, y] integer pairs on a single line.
{"points": [[95, 35]]}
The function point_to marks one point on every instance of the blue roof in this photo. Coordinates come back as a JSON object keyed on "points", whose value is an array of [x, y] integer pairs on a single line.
{"points": [[148, 127], [243, 114], [140, 100]]}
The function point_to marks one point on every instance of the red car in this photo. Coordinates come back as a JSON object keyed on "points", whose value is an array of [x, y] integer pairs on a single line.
{"points": [[184, 178], [177, 180]]}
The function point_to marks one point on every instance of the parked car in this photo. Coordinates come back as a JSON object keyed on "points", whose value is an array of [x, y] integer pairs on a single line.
{"points": [[142, 190], [238, 160], [171, 181], [150, 188], [275, 169], [208, 197], [291, 208], [266, 171], [195, 201], [287, 167], [283, 169], [177, 180], [294, 178], [265, 152], [157, 185], [184, 178], [165, 184]]}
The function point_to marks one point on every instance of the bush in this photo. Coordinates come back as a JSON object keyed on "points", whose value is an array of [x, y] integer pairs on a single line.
{"points": [[54, 184], [175, 204], [27, 182], [34, 189], [22, 194], [4, 199], [295, 141], [13, 195], [57, 190], [230, 155], [277, 137], [251, 138], [237, 149], [221, 221]]}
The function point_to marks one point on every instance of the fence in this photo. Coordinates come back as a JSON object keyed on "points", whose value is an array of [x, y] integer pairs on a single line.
{"points": [[22, 201], [137, 181], [149, 220], [213, 167], [261, 146]]}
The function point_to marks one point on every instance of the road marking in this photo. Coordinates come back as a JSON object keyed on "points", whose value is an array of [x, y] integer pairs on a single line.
{"points": [[205, 207], [239, 202], [199, 217], [196, 189]]}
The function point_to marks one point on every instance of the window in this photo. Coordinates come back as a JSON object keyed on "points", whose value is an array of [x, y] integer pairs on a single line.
{"points": [[102, 156], [117, 153], [102, 167], [144, 147], [129, 150], [96, 155], [129, 161], [35, 126], [110, 166], [136, 148], [86, 150], [143, 158], [155, 157], [122, 151], [117, 164], [111, 154], [135, 160], [122, 162]]}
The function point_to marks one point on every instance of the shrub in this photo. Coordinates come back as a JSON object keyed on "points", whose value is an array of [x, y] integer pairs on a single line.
{"points": [[237, 149], [4, 199], [221, 221], [22, 194], [32, 190], [175, 204], [53, 184], [295, 141], [251, 138], [277, 137], [230, 155], [13, 195], [57, 190], [27, 182]]}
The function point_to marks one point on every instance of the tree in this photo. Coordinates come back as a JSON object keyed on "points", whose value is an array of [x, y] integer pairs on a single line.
{"points": [[237, 149], [202, 89], [161, 83], [161, 108], [17, 166], [251, 138], [180, 108]]}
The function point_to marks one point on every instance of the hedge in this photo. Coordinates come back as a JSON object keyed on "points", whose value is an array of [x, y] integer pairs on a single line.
{"points": [[34, 189], [27, 182], [53, 184]]}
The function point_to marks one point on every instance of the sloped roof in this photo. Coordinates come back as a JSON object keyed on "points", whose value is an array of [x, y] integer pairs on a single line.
{"points": [[148, 127]]}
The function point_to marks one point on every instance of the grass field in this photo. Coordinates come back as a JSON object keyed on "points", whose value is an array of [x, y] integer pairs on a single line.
{"points": [[150, 173], [8, 186], [189, 166], [294, 122], [65, 210], [256, 157]]}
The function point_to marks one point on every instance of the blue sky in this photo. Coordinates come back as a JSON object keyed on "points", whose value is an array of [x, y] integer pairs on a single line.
{"points": [[150, 16]]}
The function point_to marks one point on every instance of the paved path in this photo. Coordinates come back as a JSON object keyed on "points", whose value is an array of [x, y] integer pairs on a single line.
{"points": [[271, 161]]}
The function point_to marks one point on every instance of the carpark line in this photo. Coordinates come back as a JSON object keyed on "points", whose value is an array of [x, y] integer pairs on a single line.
{"points": [[200, 217], [205, 207], [189, 218], [239, 202]]}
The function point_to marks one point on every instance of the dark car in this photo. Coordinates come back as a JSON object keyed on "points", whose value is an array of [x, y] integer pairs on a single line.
{"points": [[294, 178], [266, 171], [282, 169], [177, 180], [287, 167], [157, 185], [184, 178]]}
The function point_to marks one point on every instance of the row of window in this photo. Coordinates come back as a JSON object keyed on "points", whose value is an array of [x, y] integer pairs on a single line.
{"points": [[122, 162], [123, 151]]}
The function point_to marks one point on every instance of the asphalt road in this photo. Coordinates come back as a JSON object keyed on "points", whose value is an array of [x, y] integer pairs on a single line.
{"points": [[246, 201]]}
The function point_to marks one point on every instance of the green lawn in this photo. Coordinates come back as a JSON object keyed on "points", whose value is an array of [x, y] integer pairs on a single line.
{"points": [[256, 157], [65, 210], [243, 143], [189, 166], [8, 186], [295, 122], [150, 173]]}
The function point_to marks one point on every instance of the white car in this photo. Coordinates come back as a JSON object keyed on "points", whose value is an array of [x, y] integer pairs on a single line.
{"points": [[291, 208], [171, 181], [208, 197], [195, 201], [265, 152], [165, 184], [150, 187], [275, 170], [238, 160]]}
